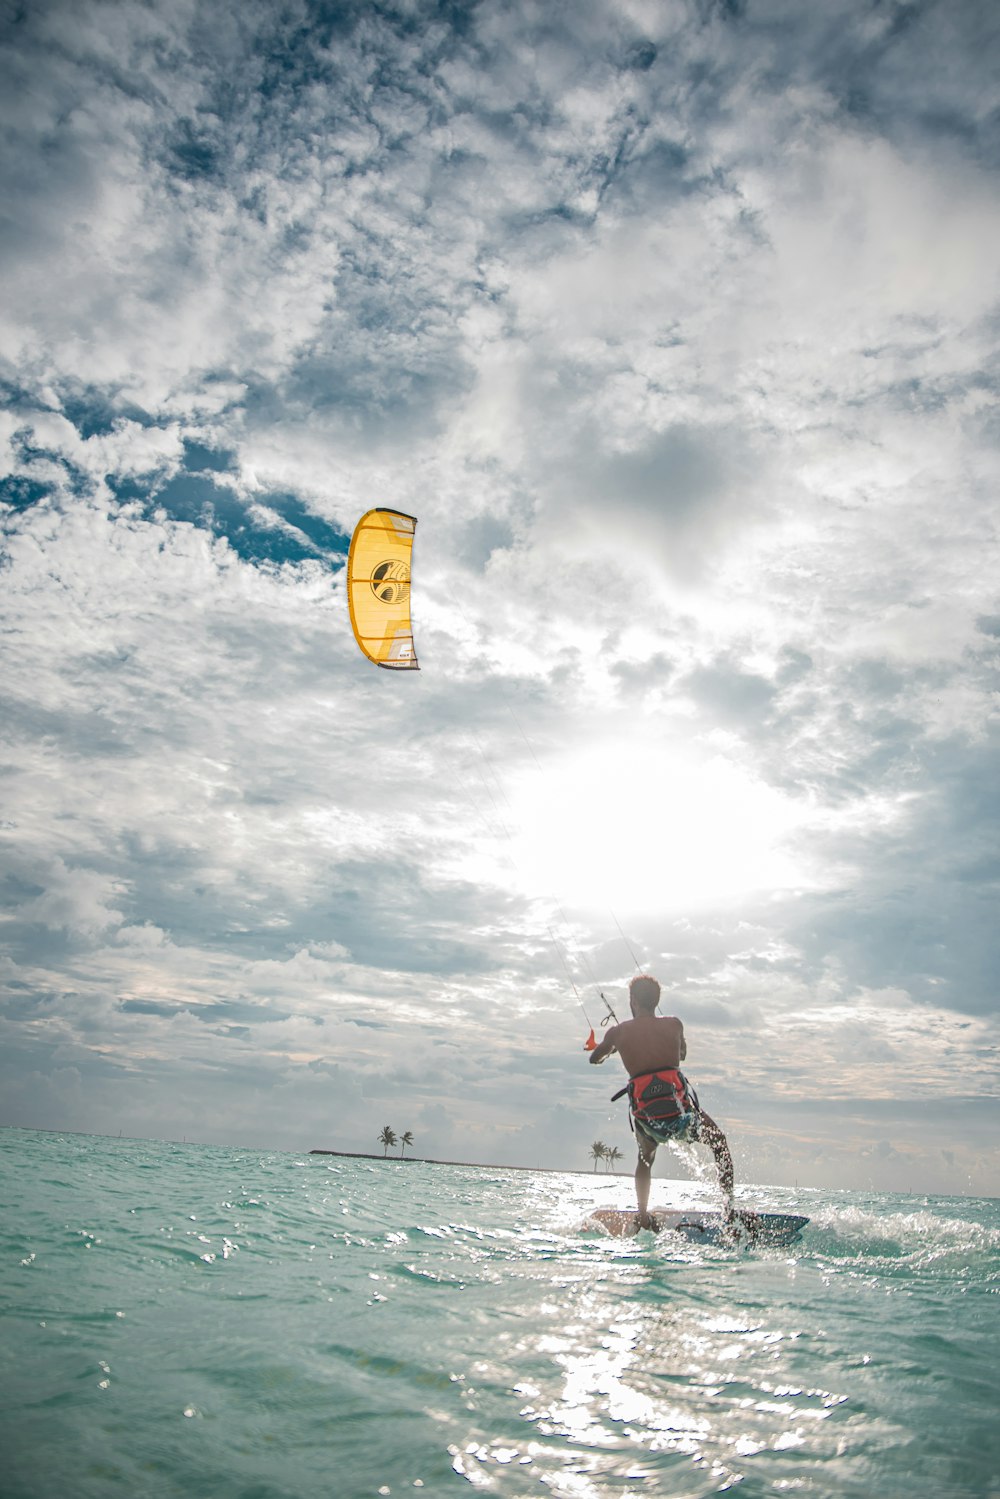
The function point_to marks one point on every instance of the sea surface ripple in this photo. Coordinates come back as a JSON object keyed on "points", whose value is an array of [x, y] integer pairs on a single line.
{"points": [[197, 1320]]}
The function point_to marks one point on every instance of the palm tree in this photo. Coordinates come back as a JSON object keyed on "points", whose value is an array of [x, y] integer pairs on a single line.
{"points": [[387, 1138], [598, 1150], [614, 1154], [405, 1140]]}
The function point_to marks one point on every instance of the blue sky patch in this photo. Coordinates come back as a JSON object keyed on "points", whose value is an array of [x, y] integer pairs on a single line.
{"points": [[272, 528], [21, 493], [95, 412]]}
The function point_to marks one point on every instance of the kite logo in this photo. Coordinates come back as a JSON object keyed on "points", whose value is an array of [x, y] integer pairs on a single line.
{"points": [[391, 582]]}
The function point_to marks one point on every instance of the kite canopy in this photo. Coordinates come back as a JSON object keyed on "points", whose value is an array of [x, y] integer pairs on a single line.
{"points": [[378, 588]]}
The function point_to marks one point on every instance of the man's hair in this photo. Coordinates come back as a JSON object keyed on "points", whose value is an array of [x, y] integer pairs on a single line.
{"points": [[645, 992]]}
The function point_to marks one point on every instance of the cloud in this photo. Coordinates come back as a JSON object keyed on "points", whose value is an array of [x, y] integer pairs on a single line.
{"points": [[676, 327]]}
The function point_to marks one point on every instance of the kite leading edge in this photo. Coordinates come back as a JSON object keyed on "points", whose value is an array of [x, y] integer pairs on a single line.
{"points": [[378, 588]]}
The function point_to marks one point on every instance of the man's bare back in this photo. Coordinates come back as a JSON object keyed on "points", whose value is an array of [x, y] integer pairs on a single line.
{"points": [[645, 1044]]}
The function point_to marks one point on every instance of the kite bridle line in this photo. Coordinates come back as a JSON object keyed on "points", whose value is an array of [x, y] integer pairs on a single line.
{"points": [[627, 943], [531, 751], [559, 946], [503, 825], [562, 958], [374, 521], [560, 949]]}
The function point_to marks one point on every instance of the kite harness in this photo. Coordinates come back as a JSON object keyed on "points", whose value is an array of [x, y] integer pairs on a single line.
{"points": [[663, 1102]]}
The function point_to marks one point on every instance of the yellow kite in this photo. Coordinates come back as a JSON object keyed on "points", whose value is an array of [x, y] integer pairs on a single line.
{"points": [[378, 588]]}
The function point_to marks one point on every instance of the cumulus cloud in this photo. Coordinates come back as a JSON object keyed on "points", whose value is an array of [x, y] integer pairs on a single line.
{"points": [[676, 327]]}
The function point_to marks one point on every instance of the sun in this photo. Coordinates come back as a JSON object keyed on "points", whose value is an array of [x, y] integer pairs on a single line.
{"points": [[638, 830]]}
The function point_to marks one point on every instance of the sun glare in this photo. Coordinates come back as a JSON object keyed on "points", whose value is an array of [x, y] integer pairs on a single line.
{"points": [[634, 830]]}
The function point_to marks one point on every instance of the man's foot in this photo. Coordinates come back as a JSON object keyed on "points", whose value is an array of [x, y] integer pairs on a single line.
{"points": [[647, 1220], [740, 1222]]}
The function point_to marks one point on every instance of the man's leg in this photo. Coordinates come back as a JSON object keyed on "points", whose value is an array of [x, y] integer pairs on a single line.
{"points": [[719, 1146], [643, 1175]]}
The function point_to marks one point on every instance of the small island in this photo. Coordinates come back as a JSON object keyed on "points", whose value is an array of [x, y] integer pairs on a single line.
{"points": [[416, 1160]]}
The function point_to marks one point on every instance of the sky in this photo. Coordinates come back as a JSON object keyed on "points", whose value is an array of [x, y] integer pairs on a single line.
{"points": [[675, 326]]}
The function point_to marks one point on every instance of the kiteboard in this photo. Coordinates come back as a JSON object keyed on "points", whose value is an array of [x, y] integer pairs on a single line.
{"points": [[705, 1227]]}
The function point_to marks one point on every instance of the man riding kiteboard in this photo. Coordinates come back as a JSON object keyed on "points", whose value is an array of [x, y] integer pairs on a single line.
{"points": [[663, 1104]]}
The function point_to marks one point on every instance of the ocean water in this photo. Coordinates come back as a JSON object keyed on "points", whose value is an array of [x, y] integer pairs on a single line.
{"points": [[193, 1320]]}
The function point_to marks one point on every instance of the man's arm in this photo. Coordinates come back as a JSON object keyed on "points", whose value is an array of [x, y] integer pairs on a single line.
{"points": [[604, 1048], [682, 1041]]}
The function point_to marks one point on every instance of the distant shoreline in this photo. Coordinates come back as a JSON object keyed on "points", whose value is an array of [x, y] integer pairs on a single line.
{"points": [[418, 1160], [354, 1155]]}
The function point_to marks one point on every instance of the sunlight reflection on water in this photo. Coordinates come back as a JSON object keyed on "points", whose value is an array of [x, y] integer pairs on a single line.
{"points": [[430, 1328]]}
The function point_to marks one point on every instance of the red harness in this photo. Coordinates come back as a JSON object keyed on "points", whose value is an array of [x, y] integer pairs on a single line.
{"points": [[658, 1097]]}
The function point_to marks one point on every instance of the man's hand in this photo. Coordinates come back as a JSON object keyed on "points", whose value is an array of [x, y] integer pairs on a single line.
{"points": [[603, 1049]]}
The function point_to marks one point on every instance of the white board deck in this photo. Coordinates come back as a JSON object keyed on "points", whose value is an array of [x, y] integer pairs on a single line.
{"points": [[704, 1227]]}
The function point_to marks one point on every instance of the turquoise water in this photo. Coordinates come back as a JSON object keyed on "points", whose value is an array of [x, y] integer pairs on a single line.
{"points": [[193, 1320]]}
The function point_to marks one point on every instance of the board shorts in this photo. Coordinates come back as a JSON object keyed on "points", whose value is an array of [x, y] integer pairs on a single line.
{"points": [[664, 1106]]}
